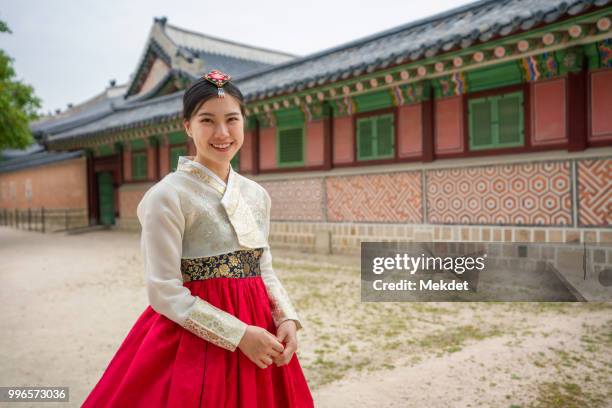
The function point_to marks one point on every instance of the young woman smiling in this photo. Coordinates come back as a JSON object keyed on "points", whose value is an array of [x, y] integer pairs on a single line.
{"points": [[220, 330]]}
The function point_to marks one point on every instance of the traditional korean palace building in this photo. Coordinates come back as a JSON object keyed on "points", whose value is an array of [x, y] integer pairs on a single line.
{"points": [[489, 122]]}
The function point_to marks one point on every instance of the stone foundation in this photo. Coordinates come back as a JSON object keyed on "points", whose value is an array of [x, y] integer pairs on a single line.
{"points": [[345, 238]]}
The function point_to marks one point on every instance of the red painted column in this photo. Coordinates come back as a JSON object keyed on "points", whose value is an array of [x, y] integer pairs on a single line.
{"points": [[577, 112], [428, 130], [127, 162], [255, 150], [328, 137], [92, 188], [152, 159], [164, 156], [246, 152]]}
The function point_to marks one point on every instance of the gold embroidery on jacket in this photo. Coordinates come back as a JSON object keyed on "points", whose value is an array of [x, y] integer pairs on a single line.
{"points": [[203, 176], [281, 307], [215, 325]]}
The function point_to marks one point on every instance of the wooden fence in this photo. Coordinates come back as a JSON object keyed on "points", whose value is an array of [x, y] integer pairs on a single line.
{"points": [[44, 219]]}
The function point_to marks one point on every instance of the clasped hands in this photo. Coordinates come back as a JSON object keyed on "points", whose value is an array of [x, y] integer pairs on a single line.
{"points": [[263, 348]]}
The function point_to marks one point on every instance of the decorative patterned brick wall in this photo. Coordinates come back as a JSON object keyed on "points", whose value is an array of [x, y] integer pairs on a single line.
{"points": [[392, 197], [595, 192], [533, 202], [296, 199], [528, 194], [542, 201]]}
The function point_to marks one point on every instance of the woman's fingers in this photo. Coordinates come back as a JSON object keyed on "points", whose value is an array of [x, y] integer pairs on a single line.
{"points": [[277, 345], [287, 354], [277, 350], [280, 361], [263, 362], [272, 351]]}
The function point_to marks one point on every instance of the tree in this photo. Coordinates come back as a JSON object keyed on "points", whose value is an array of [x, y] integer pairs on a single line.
{"points": [[18, 104]]}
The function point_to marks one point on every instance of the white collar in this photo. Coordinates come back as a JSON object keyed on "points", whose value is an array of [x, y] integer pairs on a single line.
{"points": [[188, 164]]}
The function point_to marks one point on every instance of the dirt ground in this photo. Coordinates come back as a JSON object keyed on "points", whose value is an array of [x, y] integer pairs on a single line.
{"points": [[68, 301]]}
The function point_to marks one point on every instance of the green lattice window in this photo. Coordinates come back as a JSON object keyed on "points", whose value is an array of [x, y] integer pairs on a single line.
{"points": [[496, 121], [290, 146], [175, 152], [139, 165], [375, 137]]}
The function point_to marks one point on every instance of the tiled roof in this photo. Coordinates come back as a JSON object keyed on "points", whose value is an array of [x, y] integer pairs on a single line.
{"points": [[37, 159], [195, 53], [210, 61], [198, 42], [461, 27], [228, 64], [98, 107], [130, 116], [9, 154]]}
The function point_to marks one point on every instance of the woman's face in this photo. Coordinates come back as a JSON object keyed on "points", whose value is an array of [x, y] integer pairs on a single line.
{"points": [[217, 129]]}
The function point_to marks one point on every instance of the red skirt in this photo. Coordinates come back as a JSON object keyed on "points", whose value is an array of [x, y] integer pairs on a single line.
{"points": [[161, 364]]}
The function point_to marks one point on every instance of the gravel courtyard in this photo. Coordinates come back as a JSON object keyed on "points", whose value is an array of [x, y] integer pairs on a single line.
{"points": [[68, 301]]}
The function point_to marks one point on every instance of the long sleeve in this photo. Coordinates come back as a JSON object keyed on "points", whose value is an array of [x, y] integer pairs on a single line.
{"points": [[163, 226], [282, 308]]}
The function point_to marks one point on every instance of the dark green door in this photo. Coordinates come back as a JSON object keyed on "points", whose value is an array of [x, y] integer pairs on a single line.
{"points": [[105, 198]]}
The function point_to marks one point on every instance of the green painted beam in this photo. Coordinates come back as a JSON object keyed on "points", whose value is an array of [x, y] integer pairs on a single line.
{"points": [[496, 76]]}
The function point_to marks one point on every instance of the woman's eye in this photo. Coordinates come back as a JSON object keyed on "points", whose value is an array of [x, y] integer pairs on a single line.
{"points": [[206, 120]]}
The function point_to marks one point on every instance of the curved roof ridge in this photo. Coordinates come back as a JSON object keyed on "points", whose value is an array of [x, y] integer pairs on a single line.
{"points": [[212, 37]]}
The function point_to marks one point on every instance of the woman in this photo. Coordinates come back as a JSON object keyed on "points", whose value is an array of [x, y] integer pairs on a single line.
{"points": [[220, 330]]}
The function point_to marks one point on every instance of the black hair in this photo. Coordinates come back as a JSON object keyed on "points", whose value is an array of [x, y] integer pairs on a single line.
{"points": [[202, 90]]}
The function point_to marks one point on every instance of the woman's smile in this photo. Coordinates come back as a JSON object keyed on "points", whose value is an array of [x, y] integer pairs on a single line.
{"points": [[222, 147]]}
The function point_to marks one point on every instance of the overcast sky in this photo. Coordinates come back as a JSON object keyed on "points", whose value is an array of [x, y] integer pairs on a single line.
{"points": [[68, 50]]}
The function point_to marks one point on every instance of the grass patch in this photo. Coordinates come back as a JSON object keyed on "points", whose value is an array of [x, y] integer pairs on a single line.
{"points": [[567, 395], [451, 339]]}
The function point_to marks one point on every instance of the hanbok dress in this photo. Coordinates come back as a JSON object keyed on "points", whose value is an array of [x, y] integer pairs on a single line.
{"points": [[208, 272]]}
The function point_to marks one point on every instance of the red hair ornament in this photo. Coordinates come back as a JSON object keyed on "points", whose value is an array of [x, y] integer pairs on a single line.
{"points": [[219, 79]]}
